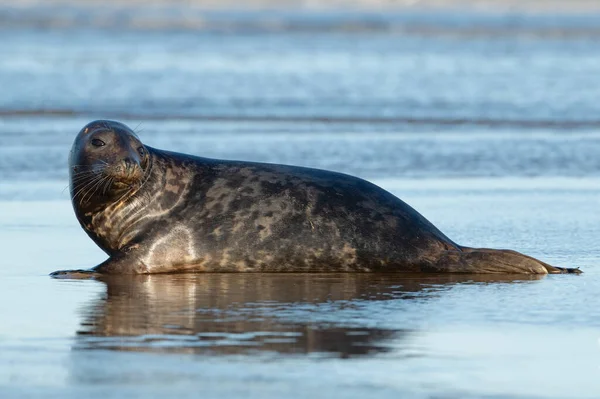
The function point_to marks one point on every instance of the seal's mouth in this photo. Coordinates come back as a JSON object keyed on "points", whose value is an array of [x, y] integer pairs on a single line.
{"points": [[125, 175], [126, 182], [122, 185]]}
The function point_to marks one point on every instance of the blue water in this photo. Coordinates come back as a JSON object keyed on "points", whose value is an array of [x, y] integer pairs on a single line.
{"points": [[488, 124]]}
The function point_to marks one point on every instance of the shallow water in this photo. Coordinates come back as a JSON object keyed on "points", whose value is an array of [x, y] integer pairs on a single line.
{"points": [[491, 133]]}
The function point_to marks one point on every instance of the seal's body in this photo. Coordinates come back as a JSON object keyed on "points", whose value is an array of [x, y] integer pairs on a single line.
{"points": [[154, 211]]}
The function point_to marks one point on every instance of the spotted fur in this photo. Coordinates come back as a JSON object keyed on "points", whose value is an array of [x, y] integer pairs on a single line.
{"points": [[183, 213]]}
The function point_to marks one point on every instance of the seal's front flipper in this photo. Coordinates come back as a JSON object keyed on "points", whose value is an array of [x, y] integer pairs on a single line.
{"points": [[484, 260], [121, 264], [124, 263], [74, 274]]}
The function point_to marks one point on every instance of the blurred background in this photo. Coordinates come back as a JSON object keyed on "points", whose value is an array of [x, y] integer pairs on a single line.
{"points": [[381, 89]]}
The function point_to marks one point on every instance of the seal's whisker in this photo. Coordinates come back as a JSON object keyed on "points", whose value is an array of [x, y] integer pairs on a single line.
{"points": [[81, 185], [83, 180], [83, 197], [120, 199], [108, 185], [92, 191], [83, 190], [89, 170], [104, 186], [83, 177], [84, 187], [86, 173], [67, 186], [125, 194], [146, 178], [100, 185]]}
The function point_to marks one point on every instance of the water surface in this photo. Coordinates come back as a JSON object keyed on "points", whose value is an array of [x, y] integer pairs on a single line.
{"points": [[485, 123]]}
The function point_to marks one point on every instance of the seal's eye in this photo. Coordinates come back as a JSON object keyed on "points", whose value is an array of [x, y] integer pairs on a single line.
{"points": [[142, 151], [98, 143]]}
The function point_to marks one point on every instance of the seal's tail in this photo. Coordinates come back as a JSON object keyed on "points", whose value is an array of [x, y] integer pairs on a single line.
{"points": [[483, 260]]}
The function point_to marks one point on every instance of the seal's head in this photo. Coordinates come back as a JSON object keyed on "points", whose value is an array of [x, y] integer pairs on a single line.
{"points": [[107, 161]]}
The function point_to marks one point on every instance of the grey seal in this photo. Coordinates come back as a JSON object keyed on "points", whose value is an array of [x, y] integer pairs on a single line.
{"points": [[155, 211]]}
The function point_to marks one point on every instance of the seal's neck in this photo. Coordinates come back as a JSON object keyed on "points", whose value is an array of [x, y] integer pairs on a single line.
{"points": [[119, 223]]}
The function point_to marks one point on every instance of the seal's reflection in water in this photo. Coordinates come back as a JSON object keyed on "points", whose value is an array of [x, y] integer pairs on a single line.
{"points": [[223, 314]]}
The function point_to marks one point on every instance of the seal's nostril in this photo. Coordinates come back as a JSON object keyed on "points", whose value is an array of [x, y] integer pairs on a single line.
{"points": [[129, 164]]}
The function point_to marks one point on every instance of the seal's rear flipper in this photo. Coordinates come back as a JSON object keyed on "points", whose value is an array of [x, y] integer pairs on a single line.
{"points": [[563, 270], [483, 260]]}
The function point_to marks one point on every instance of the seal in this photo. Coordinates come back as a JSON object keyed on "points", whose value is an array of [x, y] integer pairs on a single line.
{"points": [[154, 211]]}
